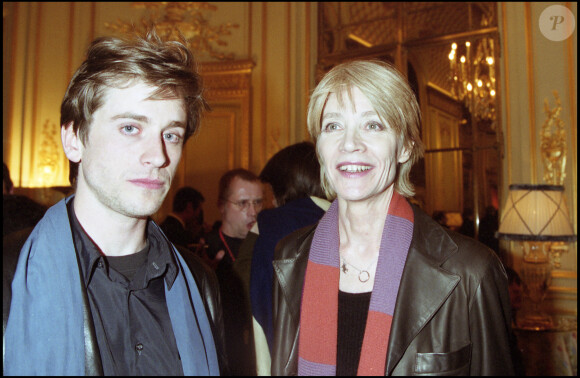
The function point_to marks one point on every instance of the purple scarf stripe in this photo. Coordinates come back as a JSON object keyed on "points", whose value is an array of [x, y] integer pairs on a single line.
{"points": [[327, 230], [309, 368], [392, 257]]}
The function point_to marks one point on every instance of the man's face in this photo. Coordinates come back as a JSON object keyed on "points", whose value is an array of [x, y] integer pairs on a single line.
{"points": [[133, 147], [236, 222]]}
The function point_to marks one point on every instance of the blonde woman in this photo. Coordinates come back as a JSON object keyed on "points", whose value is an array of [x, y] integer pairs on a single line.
{"points": [[377, 287]]}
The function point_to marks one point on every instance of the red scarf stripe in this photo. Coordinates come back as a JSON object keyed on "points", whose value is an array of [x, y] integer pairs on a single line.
{"points": [[372, 357], [400, 209], [315, 312]]}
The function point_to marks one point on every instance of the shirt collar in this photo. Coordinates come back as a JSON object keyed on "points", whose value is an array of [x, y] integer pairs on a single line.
{"points": [[160, 259]]}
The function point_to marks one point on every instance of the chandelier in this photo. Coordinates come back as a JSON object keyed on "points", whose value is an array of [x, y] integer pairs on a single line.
{"points": [[473, 78]]}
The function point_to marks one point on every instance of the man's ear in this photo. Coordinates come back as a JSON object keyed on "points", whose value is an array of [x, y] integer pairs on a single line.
{"points": [[71, 143]]}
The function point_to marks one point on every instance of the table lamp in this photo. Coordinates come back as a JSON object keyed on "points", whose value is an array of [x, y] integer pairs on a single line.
{"points": [[537, 217]]}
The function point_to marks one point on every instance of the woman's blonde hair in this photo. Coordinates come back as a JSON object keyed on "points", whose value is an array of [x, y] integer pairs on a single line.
{"points": [[392, 98]]}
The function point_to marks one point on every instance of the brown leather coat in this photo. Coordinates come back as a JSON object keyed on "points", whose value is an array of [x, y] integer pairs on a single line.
{"points": [[452, 315]]}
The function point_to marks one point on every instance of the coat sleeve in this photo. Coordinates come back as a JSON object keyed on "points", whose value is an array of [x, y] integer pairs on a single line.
{"points": [[490, 324]]}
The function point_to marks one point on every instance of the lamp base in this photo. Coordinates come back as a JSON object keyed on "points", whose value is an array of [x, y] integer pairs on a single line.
{"points": [[535, 322]]}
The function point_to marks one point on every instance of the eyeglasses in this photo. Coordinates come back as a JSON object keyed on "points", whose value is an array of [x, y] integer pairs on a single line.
{"points": [[244, 205]]}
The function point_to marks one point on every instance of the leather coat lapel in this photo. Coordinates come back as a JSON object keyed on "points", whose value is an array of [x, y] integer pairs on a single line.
{"points": [[290, 273], [424, 285]]}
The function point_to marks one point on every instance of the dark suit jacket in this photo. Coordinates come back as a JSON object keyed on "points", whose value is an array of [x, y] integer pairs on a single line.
{"points": [[175, 232], [452, 315]]}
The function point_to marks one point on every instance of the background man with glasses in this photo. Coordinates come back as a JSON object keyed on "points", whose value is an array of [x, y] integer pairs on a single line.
{"points": [[239, 200]]}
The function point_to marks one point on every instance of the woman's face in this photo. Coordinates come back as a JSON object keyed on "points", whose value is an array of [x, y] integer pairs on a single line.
{"points": [[359, 152]]}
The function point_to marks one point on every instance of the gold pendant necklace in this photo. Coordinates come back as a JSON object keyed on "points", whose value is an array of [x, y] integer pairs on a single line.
{"points": [[363, 275]]}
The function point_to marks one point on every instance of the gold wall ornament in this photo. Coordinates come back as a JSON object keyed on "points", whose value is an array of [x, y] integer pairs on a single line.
{"points": [[48, 155], [172, 18], [553, 143]]}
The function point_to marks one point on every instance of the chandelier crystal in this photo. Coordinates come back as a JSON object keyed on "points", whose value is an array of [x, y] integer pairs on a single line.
{"points": [[473, 79]]}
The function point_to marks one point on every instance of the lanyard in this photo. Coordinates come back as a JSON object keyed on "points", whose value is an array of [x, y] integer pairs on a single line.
{"points": [[226, 244]]}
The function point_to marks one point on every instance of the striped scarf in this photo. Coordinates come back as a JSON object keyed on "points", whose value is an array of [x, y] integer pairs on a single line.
{"points": [[319, 310]]}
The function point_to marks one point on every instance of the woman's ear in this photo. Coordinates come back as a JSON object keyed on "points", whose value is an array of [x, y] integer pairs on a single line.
{"points": [[405, 153], [71, 143]]}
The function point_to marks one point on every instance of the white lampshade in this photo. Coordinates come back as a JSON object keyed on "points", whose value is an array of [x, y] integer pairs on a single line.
{"points": [[536, 212]]}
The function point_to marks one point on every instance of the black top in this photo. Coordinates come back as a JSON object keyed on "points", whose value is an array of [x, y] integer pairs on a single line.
{"points": [[353, 310], [127, 299], [215, 244]]}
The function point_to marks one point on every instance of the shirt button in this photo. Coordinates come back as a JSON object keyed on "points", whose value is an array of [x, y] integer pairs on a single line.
{"points": [[100, 264], [139, 348]]}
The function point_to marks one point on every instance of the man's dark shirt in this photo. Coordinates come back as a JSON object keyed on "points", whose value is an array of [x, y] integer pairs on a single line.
{"points": [[132, 324]]}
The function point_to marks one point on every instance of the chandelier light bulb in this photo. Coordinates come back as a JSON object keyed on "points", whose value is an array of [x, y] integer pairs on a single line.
{"points": [[462, 59], [469, 87], [454, 46], [489, 60]]}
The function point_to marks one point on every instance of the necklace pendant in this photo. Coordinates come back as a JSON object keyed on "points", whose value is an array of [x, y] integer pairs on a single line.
{"points": [[364, 276], [344, 268]]}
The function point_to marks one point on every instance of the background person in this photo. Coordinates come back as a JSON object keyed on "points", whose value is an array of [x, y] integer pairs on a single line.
{"points": [[184, 225], [98, 288], [18, 212], [378, 286], [294, 176], [240, 200]]}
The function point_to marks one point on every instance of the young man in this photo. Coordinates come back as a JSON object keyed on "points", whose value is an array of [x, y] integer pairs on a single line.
{"points": [[240, 199], [98, 288]]}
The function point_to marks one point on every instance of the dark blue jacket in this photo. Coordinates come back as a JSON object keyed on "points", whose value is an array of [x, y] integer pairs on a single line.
{"points": [[275, 224]]}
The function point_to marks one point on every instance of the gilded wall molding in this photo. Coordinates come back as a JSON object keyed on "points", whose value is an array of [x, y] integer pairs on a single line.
{"points": [[175, 19], [223, 80]]}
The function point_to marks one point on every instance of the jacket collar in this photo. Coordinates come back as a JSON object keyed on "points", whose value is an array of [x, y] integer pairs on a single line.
{"points": [[419, 299]]}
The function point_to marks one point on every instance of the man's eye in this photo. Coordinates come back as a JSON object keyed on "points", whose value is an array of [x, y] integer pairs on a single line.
{"points": [[129, 129], [173, 138]]}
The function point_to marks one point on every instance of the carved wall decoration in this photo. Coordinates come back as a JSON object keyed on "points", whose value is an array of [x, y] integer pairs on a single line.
{"points": [[172, 18], [49, 153], [553, 144]]}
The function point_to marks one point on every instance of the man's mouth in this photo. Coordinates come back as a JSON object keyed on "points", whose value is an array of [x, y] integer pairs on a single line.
{"points": [[148, 183]]}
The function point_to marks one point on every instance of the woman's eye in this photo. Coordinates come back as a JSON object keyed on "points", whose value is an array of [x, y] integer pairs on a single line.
{"points": [[375, 126], [330, 127]]}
